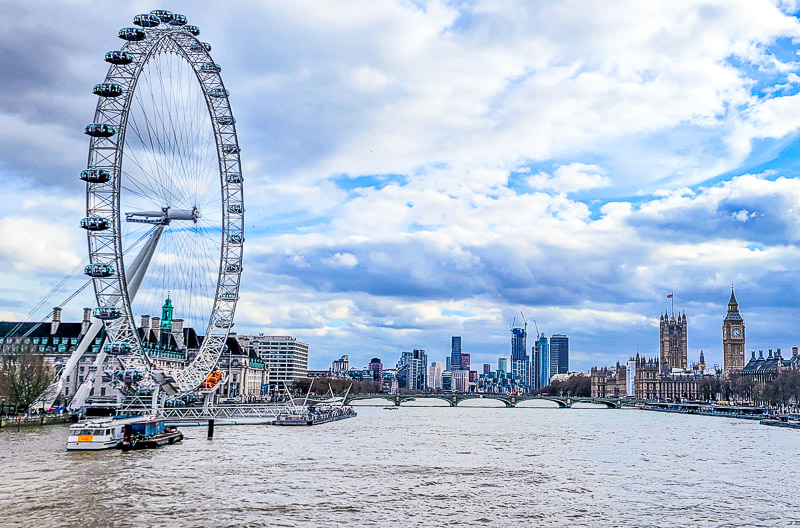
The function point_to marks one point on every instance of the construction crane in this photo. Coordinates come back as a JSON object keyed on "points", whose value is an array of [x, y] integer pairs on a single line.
{"points": [[524, 321], [537, 329]]}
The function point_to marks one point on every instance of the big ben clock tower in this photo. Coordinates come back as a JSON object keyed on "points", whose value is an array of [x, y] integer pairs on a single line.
{"points": [[732, 338]]}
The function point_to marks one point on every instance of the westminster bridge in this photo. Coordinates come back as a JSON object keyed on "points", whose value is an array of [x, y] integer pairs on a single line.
{"points": [[510, 400]]}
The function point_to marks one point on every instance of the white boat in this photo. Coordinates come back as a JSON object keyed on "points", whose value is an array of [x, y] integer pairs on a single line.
{"points": [[100, 433]]}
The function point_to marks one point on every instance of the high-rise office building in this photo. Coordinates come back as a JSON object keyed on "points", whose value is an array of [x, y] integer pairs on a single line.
{"points": [[435, 375], [559, 354], [520, 364], [487, 369], [465, 361], [341, 366], [541, 363], [455, 353], [412, 370], [376, 367], [502, 364]]}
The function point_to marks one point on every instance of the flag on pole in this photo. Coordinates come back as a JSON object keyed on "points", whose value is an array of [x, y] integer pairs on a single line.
{"points": [[669, 296]]}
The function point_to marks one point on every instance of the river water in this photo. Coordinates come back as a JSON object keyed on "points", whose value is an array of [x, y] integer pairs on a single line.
{"points": [[423, 466]]}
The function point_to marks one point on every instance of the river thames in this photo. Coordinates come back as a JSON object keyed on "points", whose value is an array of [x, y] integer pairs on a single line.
{"points": [[427, 466]]}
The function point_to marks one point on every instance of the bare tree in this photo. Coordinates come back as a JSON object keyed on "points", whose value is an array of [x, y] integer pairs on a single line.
{"points": [[24, 376]]}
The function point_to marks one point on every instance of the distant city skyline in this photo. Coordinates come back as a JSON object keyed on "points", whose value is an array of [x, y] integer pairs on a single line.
{"points": [[588, 169]]}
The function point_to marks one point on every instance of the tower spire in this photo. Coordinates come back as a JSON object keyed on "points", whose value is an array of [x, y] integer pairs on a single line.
{"points": [[733, 304], [166, 313]]}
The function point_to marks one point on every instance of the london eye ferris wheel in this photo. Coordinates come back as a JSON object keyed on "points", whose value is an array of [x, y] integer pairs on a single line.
{"points": [[164, 203]]}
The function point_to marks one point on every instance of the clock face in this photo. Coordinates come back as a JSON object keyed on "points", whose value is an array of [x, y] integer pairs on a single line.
{"points": [[736, 332]]}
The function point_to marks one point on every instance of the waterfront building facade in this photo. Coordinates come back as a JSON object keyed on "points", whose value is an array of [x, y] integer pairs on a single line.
{"points": [[56, 342], [609, 382], [285, 357], [766, 369], [673, 342], [247, 374], [733, 338], [643, 378]]}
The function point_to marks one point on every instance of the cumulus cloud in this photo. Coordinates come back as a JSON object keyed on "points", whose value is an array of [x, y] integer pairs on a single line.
{"points": [[571, 178]]}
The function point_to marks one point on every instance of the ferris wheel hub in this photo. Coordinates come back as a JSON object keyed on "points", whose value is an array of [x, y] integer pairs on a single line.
{"points": [[163, 217]]}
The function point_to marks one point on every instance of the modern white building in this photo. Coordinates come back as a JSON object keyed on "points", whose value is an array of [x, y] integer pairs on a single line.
{"points": [[341, 366], [460, 380], [284, 357], [435, 376]]}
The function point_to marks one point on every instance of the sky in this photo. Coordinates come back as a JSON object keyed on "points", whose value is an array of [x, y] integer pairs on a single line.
{"points": [[416, 170]]}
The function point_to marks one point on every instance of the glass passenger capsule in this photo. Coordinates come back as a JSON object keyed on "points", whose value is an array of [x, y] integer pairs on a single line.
{"points": [[229, 296], [235, 238], [226, 120], [194, 30], [163, 14], [233, 268], [117, 349], [234, 178], [99, 270], [132, 34], [102, 130], [107, 90], [201, 46], [146, 20], [119, 57], [129, 375], [218, 92], [229, 148], [95, 175], [210, 67], [235, 208], [107, 313], [95, 223], [178, 19], [223, 323]]}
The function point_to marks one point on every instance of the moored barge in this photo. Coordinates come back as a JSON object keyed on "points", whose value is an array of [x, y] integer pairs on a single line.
{"points": [[147, 434]]}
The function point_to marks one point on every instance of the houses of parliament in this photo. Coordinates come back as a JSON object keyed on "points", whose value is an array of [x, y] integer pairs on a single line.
{"points": [[670, 376]]}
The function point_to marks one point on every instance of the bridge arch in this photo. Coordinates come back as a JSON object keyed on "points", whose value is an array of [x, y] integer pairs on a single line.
{"points": [[542, 402], [484, 402]]}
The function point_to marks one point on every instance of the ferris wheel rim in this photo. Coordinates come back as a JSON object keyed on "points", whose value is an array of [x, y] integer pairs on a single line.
{"points": [[106, 153]]}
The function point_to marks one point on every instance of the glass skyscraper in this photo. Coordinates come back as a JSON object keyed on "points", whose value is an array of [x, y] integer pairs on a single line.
{"points": [[559, 354], [455, 353], [541, 363], [520, 365]]}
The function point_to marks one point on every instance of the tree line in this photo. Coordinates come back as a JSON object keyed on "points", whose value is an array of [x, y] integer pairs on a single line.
{"points": [[24, 376], [784, 390], [576, 386]]}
